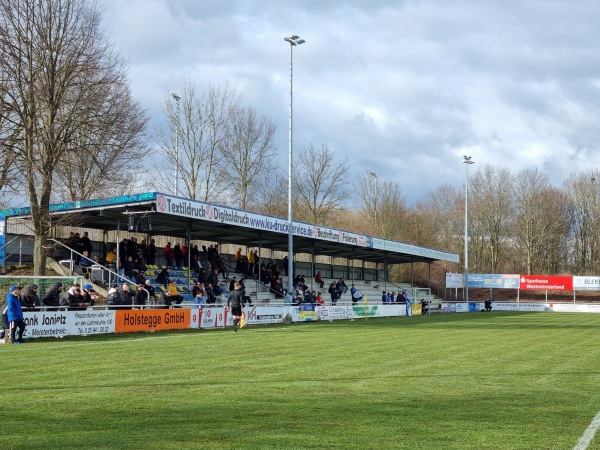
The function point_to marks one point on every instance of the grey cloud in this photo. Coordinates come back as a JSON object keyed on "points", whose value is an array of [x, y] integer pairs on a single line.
{"points": [[393, 85]]}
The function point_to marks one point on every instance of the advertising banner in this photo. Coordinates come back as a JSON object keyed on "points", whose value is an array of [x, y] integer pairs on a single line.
{"points": [[195, 317], [546, 283], [360, 312], [511, 306], [262, 315], [498, 281], [68, 323], [393, 246], [448, 307], [333, 235], [214, 317], [586, 283], [336, 312], [85, 204], [2, 237], [572, 307], [454, 280], [468, 307], [127, 321], [307, 312]]}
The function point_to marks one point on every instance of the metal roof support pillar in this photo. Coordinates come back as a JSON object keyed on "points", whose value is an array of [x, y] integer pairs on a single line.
{"points": [[256, 261], [429, 281], [188, 244], [312, 259], [347, 277], [385, 272], [118, 261], [353, 261], [331, 265]]}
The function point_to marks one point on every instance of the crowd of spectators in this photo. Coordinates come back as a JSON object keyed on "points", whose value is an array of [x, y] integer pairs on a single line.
{"points": [[209, 267]]}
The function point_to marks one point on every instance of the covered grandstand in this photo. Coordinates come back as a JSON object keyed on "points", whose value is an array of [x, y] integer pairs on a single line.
{"points": [[154, 214]]}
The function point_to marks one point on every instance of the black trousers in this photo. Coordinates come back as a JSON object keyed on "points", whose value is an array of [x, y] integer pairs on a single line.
{"points": [[17, 325]]}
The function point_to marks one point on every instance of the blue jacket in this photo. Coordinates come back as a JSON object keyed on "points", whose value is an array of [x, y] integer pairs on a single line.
{"points": [[14, 307]]}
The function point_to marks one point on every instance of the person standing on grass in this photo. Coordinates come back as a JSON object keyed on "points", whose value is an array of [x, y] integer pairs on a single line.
{"points": [[15, 315], [408, 303], [235, 300]]}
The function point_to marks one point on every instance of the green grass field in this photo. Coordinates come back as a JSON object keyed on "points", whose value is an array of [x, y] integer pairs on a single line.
{"points": [[462, 381]]}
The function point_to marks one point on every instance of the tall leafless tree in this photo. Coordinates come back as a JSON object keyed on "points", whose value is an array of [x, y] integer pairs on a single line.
{"points": [[200, 122], [491, 212], [382, 204], [248, 152], [107, 156], [321, 183], [271, 195], [584, 212], [444, 208], [10, 179], [56, 66]]}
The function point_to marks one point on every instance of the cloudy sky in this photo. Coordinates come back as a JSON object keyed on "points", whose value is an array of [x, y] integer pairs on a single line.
{"points": [[401, 88]]}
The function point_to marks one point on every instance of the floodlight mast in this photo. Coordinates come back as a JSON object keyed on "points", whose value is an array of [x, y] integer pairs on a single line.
{"points": [[294, 40], [176, 98], [467, 162]]}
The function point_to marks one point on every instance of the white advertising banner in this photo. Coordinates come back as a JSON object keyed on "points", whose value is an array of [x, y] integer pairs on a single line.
{"points": [[389, 310], [196, 317], [68, 323], [384, 244], [345, 237], [193, 209], [586, 283], [512, 306], [336, 312], [256, 315], [572, 307], [213, 317], [216, 213], [454, 280]]}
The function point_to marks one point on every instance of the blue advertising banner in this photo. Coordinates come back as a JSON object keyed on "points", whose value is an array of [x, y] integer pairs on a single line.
{"points": [[307, 312], [85, 204], [2, 224], [478, 280]]}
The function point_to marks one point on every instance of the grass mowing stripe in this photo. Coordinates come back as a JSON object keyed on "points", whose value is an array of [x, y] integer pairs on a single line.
{"points": [[498, 380]]}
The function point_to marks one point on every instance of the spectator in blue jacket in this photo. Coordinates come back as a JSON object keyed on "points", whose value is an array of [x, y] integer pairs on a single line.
{"points": [[15, 315]]}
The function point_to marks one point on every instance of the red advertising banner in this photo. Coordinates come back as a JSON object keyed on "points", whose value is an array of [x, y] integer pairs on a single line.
{"points": [[546, 283], [147, 320]]}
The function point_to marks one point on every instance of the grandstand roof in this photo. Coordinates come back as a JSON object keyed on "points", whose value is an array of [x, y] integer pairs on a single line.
{"points": [[176, 216]]}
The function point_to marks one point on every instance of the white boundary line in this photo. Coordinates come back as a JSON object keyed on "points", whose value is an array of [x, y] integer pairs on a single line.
{"points": [[589, 434]]}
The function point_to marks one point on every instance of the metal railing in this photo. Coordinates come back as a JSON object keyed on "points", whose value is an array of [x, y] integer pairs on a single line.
{"points": [[112, 275], [7, 257], [437, 289]]}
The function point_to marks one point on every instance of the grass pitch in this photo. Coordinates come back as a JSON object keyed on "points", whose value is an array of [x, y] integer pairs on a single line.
{"points": [[461, 381]]}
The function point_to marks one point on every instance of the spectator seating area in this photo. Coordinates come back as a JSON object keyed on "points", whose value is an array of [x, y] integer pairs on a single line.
{"points": [[259, 292]]}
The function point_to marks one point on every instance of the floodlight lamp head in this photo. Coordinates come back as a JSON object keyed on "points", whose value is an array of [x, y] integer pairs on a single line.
{"points": [[294, 39]]}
